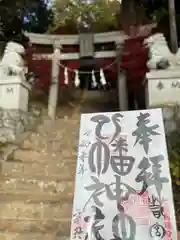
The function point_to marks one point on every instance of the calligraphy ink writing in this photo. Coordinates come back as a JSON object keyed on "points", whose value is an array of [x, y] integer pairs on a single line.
{"points": [[78, 230], [143, 133], [153, 178], [85, 143], [77, 217], [114, 191], [93, 224], [101, 157], [81, 167], [99, 148], [156, 207], [100, 120], [120, 192], [103, 119], [121, 233], [119, 222], [121, 164], [98, 188], [116, 120]]}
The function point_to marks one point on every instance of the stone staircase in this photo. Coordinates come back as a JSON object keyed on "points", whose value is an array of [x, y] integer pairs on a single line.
{"points": [[37, 178], [37, 183]]}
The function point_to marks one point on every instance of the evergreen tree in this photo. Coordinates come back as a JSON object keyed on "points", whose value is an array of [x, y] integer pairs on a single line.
{"points": [[13, 14], [38, 17]]}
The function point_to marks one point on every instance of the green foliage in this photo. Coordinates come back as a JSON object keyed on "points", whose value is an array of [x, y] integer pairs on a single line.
{"points": [[158, 14], [11, 20], [173, 142], [12, 17], [101, 14], [38, 18]]}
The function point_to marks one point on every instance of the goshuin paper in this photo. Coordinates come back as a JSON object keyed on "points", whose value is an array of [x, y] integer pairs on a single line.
{"points": [[123, 184]]}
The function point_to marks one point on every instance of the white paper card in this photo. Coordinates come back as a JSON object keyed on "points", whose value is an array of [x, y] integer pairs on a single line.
{"points": [[123, 185]]}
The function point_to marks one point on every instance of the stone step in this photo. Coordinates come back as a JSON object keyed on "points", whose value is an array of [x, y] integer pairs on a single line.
{"points": [[63, 189], [30, 155], [31, 236], [55, 133], [49, 144], [51, 172], [49, 128], [64, 121], [32, 198], [35, 211], [62, 227]]}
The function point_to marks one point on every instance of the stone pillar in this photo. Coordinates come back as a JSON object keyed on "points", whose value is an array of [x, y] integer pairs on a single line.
{"points": [[14, 89], [163, 87], [121, 81], [164, 92], [54, 88], [14, 93]]}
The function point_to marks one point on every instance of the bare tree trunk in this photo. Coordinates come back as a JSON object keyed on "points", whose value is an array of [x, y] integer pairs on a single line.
{"points": [[172, 25]]}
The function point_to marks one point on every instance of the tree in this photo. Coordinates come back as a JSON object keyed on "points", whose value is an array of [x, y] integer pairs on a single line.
{"points": [[12, 17], [162, 10], [155, 10], [38, 17], [102, 15], [11, 20], [173, 29]]}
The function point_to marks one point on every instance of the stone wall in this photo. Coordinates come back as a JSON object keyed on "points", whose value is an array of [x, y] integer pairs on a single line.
{"points": [[14, 122]]}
